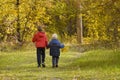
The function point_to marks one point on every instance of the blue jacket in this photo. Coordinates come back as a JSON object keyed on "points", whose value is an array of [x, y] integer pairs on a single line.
{"points": [[55, 46]]}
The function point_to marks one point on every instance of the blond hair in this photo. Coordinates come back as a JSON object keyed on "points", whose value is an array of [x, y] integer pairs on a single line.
{"points": [[54, 36]]}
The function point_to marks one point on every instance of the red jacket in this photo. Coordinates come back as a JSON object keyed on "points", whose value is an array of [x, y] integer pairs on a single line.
{"points": [[40, 39]]}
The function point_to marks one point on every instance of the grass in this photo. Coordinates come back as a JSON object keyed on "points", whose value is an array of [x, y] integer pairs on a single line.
{"points": [[92, 65]]}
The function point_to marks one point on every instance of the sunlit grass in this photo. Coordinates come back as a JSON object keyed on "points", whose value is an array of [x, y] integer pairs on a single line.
{"points": [[92, 65]]}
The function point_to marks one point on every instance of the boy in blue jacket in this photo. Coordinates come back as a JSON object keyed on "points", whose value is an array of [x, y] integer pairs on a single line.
{"points": [[55, 46]]}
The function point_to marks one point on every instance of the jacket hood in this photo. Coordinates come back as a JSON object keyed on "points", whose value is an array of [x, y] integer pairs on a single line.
{"points": [[41, 34]]}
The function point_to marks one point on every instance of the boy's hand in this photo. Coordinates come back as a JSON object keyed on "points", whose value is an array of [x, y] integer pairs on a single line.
{"points": [[47, 47]]}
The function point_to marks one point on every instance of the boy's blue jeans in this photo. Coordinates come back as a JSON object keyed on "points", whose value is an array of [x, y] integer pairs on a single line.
{"points": [[55, 60]]}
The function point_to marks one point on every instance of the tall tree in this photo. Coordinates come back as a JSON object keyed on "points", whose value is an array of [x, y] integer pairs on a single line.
{"points": [[18, 22], [79, 22]]}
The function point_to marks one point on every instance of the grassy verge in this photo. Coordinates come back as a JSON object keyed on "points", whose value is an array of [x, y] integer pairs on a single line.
{"points": [[92, 65]]}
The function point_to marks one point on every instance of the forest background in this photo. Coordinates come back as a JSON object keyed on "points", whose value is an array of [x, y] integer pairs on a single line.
{"points": [[95, 23]]}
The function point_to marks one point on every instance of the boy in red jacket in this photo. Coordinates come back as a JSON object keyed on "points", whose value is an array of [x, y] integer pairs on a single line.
{"points": [[41, 42]]}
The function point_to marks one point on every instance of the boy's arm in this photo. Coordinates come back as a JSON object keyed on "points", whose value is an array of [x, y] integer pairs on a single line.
{"points": [[34, 38], [62, 45], [46, 41]]}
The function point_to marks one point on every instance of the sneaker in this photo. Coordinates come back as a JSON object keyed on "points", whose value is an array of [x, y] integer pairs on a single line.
{"points": [[43, 65], [56, 65]]}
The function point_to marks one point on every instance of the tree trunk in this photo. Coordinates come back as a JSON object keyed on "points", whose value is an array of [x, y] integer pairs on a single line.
{"points": [[79, 30], [18, 23], [79, 23]]}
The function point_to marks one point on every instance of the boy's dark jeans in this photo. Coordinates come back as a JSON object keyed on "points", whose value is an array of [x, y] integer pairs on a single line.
{"points": [[40, 56], [55, 60]]}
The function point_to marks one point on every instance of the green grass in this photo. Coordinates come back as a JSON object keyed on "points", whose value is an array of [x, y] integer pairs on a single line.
{"points": [[92, 65]]}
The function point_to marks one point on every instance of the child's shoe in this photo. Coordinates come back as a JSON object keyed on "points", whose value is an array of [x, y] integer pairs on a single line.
{"points": [[39, 66], [43, 65], [56, 65]]}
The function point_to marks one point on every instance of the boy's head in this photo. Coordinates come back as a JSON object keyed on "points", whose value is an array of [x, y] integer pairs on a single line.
{"points": [[39, 28], [54, 36]]}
